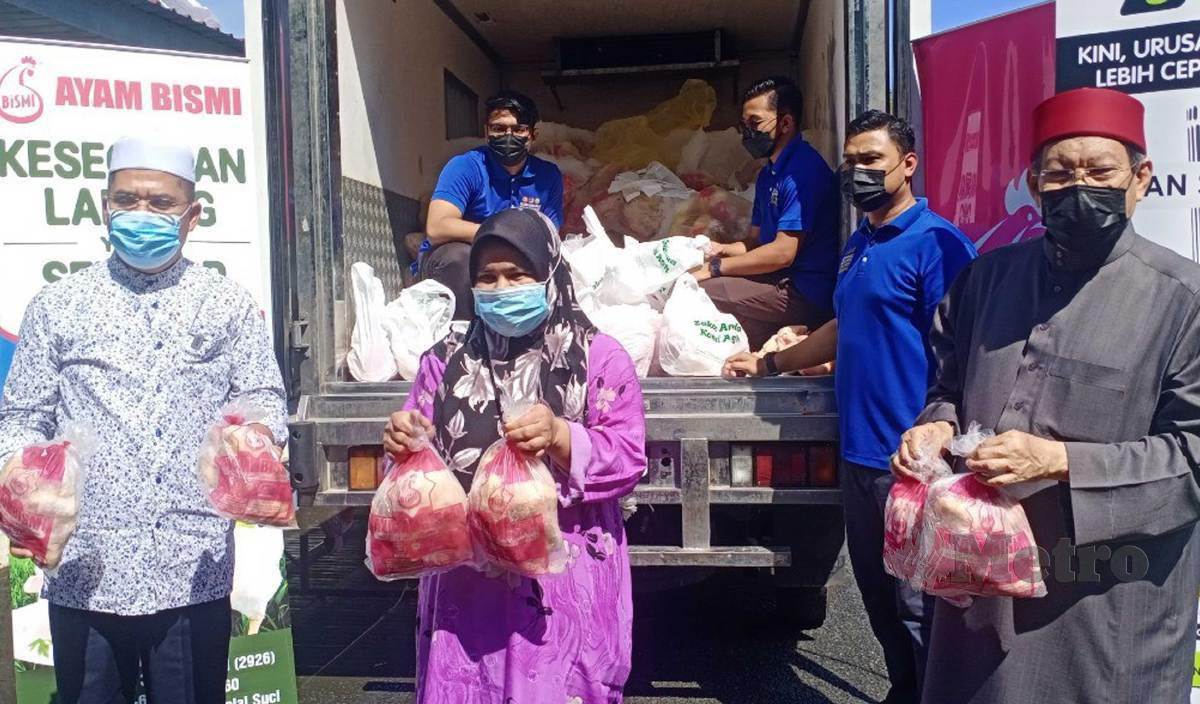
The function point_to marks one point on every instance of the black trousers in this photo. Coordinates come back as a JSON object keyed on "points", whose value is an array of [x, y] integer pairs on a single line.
{"points": [[900, 616], [450, 266], [181, 654]]}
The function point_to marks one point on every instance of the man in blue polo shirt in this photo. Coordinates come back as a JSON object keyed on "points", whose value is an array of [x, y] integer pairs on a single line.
{"points": [[783, 273], [895, 269], [481, 183]]}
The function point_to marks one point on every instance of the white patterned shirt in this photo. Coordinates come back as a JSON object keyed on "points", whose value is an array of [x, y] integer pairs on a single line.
{"points": [[146, 361]]}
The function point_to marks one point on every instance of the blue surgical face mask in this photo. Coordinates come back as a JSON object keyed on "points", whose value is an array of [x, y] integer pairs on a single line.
{"points": [[515, 311], [145, 241]]}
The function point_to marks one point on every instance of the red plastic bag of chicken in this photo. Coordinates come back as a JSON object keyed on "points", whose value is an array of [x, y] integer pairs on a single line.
{"points": [[514, 513], [976, 541], [903, 515], [418, 520], [243, 471], [39, 494]]}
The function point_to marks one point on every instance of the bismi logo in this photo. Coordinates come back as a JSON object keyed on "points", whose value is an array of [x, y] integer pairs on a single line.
{"points": [[1136, 7], [20, 102]]}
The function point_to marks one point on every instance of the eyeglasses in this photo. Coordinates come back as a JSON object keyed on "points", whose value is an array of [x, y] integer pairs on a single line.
{"points": [[1091, 176], [756, 126], [128, 201], [501, 130]]}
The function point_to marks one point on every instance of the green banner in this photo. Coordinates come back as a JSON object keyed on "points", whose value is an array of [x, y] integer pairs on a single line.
{"points": [[261, 660]]}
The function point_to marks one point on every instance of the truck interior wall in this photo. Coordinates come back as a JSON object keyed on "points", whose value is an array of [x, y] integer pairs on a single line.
{"points": [[391, 62], [822, 64], [592, 102]]}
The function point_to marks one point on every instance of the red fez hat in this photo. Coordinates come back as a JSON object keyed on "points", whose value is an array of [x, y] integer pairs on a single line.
{"points": [[1098, 112]]}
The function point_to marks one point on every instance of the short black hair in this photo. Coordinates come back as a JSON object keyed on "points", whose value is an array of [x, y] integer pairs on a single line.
{"points": [[898, 129], [785, 95], [520, 104]]}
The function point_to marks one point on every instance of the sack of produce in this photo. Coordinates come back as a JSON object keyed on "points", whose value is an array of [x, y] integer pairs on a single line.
{"points": [[370, 357], [976, 541], [418, 519], [243, 470], [416, 321], [39, 494], [514, 513], [724, 216], [904, 512], [953, 536], [635, 327], [696, 338]]}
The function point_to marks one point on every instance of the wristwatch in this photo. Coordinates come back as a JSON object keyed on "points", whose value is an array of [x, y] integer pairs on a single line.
{"points": [[714, 267], [769, 364]]}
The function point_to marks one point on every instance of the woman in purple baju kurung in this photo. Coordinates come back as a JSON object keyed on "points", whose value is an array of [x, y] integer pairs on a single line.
{"points": [[496, 638]]}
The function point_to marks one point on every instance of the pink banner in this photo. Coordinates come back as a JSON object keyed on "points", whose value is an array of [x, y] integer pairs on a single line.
{"points": [[979, 85]]}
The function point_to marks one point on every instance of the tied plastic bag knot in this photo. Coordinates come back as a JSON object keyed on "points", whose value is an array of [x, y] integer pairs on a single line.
{"points": [[243, 471], [964, 445], [514, 513], [39, 493], [418, 520]]}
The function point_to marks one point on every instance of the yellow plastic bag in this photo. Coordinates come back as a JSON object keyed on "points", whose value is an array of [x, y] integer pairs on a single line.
{"points": [[660, 135]]}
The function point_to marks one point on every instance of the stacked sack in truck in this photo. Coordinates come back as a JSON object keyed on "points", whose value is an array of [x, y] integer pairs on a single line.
{"points": [[642, 295], [656, 175]]}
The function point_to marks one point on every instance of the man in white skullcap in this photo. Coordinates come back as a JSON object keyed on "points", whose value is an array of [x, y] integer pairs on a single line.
{"points": [[144, 348]]}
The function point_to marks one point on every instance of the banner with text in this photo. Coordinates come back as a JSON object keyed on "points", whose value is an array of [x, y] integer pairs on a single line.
{"points": [[1150, 49], [62, 106]]}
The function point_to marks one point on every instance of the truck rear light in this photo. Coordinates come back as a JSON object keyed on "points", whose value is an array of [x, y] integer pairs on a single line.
{"points": [[822, 465], [366, 467], [786, 465], [741, 465]]}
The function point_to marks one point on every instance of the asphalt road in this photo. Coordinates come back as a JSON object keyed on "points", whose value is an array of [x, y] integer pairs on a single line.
{"points": [[714, 643]]}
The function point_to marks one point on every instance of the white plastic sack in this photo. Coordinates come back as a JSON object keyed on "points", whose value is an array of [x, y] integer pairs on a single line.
{"points": [[256, 573], [717, 158], [416, 321], [696, 338], [370, 357], [635, 327], [654, 181]]}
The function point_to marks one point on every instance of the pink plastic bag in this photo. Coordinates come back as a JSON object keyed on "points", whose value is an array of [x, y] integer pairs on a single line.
{"points": [[39, 494], [514, 513], [976, 541], [955, 537], [903, 515], [243, 471], [418, 520]]}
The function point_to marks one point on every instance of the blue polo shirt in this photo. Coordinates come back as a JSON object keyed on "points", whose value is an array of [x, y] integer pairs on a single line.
{"points": [[890, 281], [799, 193], [478, 185]]}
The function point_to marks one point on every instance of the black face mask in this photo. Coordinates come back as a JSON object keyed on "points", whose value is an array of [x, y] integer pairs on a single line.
{"points": [[866, 187], [760, 144], [509, 148], [1084, 218]]}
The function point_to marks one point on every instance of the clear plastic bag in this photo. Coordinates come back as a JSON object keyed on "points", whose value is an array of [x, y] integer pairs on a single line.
{"points": [[243, 470], [514, 512], [418, 520], [952, 536], [39, 493], [976, 541], [904, 513]]}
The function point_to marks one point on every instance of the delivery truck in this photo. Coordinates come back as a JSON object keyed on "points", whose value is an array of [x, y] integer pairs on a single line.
{"points": [[369, 98]]}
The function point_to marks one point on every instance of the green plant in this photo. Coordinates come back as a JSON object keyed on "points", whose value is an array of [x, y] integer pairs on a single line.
{"points": [[20, 570]]}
